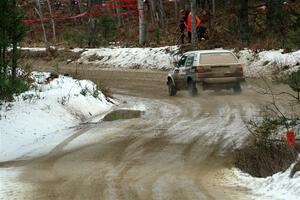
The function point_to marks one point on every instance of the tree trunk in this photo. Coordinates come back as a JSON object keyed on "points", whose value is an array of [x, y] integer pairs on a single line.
{"points": [[4, 61], [210, 16], [142, 23], [53, 23], [38, 11], [153, 12], [14, 52], [79, 6], [119, 18], [244, 25], [194, 31], [72, 8], [275, 16], [213, 7], [176, 10], [14, 61], [162, 14], [80, 9], [91, 24], [1, 62]]}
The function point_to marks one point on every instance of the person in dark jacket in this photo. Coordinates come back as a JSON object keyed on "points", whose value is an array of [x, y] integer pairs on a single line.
{"points": [[182, 25]]}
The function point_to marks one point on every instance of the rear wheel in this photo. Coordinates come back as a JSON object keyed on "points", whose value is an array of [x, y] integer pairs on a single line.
{"points": [[237, 88], [172, 88], [192, 88]]}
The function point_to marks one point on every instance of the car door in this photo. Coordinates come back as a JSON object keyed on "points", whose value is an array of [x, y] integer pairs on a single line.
{"points": [[179, 73], [188, 71]]}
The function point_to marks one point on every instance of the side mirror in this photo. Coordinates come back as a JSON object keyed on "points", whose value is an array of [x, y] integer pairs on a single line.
{"points": [[175, 63]]}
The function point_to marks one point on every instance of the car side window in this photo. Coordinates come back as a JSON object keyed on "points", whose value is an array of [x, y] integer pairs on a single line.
{"points": [[189, 61], [181, 61]]}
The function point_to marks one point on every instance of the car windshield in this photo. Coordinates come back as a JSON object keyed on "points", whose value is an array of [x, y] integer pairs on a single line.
{"points": [[217, 58]]}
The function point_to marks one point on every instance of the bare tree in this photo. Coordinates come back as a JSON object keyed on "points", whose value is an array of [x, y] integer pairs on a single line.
{"points": [[53, 23], [40, 14], [176, 9], [213, 7], [142, 23], [163, 18], [91, 24], [153, 11], [119, 18]]}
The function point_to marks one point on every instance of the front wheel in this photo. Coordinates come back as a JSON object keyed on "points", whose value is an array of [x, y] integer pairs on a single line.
{"points": [[237, 88], [192, 88], [172, 88]]}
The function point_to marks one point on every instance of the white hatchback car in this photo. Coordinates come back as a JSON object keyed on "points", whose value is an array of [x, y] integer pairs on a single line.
{"points": [[211, 69]]}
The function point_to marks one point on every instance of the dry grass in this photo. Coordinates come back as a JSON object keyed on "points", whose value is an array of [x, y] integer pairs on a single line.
{"points": [[262, 159]]}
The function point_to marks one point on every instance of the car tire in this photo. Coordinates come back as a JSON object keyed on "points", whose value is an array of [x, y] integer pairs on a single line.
{"points": [[192, 88], [171, 88], [237, 88]]}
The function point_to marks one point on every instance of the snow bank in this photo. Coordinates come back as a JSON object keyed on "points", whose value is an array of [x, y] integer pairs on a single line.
{"points": [[42, 116], [266, 63], [33, 49], [130, 58], [277, 187], [256, 64], [263, 63]]}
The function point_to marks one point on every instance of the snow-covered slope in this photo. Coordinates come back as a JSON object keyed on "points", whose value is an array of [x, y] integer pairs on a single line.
{"points": [[277, 187], [263, 63], [43, 116], [130, 58], [269, 62], [256, 64]]}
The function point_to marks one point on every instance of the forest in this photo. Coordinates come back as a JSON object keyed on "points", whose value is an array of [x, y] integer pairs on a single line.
{"points": [[263, 24]]}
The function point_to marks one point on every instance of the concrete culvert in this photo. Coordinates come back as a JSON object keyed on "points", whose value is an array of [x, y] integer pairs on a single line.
{"points": [[122, 114]]}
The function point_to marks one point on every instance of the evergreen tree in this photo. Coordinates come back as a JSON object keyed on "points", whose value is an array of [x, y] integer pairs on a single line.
{"points": [[275, 17], [12, 31]]}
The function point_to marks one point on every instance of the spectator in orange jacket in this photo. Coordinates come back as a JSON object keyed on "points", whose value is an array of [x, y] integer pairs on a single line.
{"points": [[188, 24]]}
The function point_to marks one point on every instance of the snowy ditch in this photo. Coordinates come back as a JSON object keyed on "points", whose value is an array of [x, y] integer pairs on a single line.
{"points": [[51, 110], [280, 186]]}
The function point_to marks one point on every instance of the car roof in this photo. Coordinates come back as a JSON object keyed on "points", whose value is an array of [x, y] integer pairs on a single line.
{"points": [[209, 51]]}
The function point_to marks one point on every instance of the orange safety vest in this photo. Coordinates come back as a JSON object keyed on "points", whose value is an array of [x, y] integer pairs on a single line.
{"points": [[188, 24]]}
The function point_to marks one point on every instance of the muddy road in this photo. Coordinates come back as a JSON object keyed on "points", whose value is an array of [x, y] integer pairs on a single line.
{"points": [[173, 151]]}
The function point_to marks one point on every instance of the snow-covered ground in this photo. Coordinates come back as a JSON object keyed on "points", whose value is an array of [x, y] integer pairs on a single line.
{"points": [[257, 64], [269, 62], [277, 187], [46, 114], [130, 58]]}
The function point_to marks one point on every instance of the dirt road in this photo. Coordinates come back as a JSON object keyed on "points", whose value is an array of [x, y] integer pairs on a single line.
{"points": [[174, 151]]}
